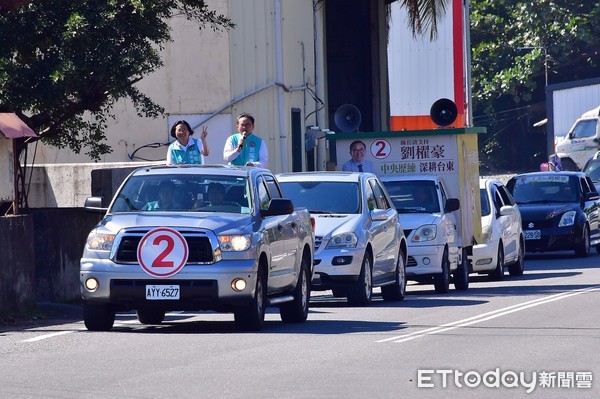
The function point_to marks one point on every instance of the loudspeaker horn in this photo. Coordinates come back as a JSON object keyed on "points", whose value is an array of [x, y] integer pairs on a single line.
{"points": [[443, 112], [347, 118]]}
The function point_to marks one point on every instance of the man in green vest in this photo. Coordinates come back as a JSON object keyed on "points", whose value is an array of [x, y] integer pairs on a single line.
{"points": [[245, 148]]}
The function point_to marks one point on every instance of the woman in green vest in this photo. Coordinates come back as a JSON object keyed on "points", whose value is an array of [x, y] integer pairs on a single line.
{"points": [[245, 148], [185, 149]]}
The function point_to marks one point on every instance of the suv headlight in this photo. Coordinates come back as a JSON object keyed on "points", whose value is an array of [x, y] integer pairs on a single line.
{"points": [[235, 242], [567, 219], [344, 240], [100, 241], [424, 233]]}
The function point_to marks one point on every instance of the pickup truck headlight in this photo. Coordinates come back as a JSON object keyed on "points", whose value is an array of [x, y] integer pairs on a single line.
{"points": [[235, 243], [100, 242], [344, 240], [424, 233], [567, 219]]}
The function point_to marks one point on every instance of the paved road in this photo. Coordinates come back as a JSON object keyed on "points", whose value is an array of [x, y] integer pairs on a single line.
{"points": [[545, 325]]}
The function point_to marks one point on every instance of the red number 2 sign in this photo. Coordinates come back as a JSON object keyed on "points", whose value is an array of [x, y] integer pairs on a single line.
{"points": [[162, 252], [381, 149]]}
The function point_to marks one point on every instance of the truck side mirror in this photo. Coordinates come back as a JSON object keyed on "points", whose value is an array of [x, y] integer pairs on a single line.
{"points": [[278, 206], [452, 204]]}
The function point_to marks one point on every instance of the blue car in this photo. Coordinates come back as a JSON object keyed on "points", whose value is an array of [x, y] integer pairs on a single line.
{"points": [[559, 211]]}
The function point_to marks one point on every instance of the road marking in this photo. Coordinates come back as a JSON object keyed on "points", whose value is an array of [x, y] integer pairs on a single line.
{"points": [[45, 336], [488, 316]]}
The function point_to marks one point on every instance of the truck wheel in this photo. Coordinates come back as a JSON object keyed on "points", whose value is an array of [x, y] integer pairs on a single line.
{"points": [[361, 292], [498, 273], [296, 311], [461, 275], [98, 317], [396, 291], [441, 281], [517, 268], [150, 316], [252, 316]]}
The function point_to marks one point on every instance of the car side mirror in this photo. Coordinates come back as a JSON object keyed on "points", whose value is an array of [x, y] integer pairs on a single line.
{"points": [[452, 204], [379, 215], [592, 196], [278, 206], [507, 210]]}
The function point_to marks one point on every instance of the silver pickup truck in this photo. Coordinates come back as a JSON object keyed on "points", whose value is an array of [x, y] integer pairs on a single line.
{"points": [[197, 238]]}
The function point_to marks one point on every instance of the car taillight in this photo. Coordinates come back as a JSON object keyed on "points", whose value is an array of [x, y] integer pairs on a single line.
{"points": [[312, 223]]}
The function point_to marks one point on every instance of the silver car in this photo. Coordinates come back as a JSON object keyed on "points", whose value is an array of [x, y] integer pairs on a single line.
{"points": [[198, 238], [359, 241]]}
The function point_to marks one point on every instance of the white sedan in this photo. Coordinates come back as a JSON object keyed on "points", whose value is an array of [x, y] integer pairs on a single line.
{"points": [[503, 242]]}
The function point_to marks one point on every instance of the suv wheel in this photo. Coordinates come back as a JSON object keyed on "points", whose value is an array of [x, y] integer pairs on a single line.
{"points": [[361, 292], [396, 291], [98, 317], [296, 311], [252, 316], [441, 281]]}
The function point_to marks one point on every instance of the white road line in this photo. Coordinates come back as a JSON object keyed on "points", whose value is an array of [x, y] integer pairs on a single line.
{"points": [[487, 316], [45, 336]]}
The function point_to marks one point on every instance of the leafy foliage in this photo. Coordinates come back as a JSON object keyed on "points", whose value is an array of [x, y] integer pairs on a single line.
{"points": [[511, 43], [61, 58]]}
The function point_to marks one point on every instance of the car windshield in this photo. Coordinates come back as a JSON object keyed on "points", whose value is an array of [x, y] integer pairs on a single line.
{"points": [[186, 193], [324, 197], [485, 203], [416, 196], [584, 128], [592, 169], [545, 189]]}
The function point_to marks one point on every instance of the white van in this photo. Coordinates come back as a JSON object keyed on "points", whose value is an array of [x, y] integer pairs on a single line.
{"points": [[582, 140]]}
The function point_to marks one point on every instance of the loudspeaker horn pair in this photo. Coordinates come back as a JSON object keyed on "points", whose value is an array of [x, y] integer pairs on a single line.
{"points": [[443, 112], [347, 118]]}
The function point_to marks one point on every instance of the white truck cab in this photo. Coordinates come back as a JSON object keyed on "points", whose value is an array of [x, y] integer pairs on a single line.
{"points": [[582, 140]]}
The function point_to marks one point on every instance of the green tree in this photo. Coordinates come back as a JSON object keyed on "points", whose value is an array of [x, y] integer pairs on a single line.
{"points": [[511, 43], [60, 59]]}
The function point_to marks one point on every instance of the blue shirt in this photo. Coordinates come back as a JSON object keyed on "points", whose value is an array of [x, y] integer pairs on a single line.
{"points": [[352, 166], [190, 154]]}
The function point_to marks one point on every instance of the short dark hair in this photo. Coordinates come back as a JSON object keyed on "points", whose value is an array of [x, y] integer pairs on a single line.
{"points": [[245, 115], [182, 122], [357, 142]]}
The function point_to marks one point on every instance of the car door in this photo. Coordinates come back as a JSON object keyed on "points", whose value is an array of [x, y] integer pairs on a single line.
{"points": [[591, 208], [510, 223], [283, 230], [385, 243]]}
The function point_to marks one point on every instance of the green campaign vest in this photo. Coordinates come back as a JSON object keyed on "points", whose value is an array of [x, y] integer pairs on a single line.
{"points": [[250, 151]]}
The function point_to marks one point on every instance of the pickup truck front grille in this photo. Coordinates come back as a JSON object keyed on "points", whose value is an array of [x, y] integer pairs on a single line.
{"points": [[200, 248]]}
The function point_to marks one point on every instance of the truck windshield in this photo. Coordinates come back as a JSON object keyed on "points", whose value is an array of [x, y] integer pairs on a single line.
{"points": [[584, 128], [185, 193], [324, 197], [413, 196]]}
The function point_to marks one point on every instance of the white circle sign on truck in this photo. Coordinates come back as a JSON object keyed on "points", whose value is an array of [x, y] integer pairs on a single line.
{"points": [[162, 252]]}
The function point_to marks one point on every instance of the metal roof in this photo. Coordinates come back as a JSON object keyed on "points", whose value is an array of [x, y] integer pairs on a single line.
{"points": [[12, 127]]}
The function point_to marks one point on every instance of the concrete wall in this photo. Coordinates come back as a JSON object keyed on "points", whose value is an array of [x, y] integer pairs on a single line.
{"points": [[17, 266], [68, 185], [58, 251]]}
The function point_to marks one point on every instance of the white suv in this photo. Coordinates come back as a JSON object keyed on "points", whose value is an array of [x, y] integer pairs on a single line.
{"points": [[426, 214]]}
